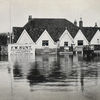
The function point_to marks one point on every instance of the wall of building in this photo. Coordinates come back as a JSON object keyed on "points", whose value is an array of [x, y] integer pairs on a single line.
{"points": [[96, 38], [25, 38], [66, 37], [80, 36]]}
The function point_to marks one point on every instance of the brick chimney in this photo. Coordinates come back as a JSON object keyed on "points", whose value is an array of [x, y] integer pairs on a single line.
{"points": [[80, 23], [96, 24], [75, 23], [30, 18]]}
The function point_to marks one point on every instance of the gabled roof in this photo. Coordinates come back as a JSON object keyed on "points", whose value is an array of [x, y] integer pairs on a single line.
{"points": [[55, 28], [43, 35], [89, 32], [64, 34]]}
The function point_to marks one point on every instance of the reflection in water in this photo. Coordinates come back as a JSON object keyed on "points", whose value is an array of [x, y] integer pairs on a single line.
{"points": [[17, 72], [56, 72], [34, 76], [3, 58], [49, 69], [82, 80]]}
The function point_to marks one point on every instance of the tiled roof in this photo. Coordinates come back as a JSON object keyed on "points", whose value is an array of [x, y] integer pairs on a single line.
{"points": [[17, 32], [55, 28], [89, 32]]}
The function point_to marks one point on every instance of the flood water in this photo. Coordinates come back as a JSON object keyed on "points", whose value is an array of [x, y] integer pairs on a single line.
{"points": [[49, 77]]}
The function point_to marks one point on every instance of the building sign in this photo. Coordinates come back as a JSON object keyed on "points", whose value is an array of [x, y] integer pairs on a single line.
{"points": [[20, 51]]}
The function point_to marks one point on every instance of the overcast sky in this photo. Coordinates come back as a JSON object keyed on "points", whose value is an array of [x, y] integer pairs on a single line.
{"points": [[89, 10]]}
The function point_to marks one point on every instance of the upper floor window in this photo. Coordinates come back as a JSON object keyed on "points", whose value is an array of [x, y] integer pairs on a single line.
{"points": [[65, 44], [45, 43], [80, 42]]}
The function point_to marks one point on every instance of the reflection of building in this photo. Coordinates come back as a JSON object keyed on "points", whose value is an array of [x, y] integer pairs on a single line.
{"points": [[46, 32]]}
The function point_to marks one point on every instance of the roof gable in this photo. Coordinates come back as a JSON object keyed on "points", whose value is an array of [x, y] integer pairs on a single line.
{"points": [[95, 37], [80, 36], [25, 38], [45, 36], [66, 34], [89, 32]]}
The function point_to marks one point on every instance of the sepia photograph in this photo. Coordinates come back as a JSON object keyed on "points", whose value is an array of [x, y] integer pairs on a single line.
{"points": [[49, 49]]}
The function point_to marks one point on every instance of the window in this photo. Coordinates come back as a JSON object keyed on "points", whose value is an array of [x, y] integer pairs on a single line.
{"points": [[45, 43], [80, 42], [65, 44]]}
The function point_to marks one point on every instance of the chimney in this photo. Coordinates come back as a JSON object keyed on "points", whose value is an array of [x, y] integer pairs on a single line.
{"points": [[30, 18], [96, 24], [75, 23], [80, 23]]}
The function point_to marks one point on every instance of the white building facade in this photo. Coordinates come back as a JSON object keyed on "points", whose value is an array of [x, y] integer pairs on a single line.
{"points": [[66, 39], [96, 38], [45, 41], [22, 47], [80, 39]]}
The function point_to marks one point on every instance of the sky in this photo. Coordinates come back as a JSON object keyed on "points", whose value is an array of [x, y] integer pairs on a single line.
{"points": [[16, 12]]}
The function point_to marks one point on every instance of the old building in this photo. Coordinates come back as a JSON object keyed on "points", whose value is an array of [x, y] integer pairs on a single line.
{"points": [[45, 32]]}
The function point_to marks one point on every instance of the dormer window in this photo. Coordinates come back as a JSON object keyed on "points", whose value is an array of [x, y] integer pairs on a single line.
{"points": [[65, 44], [80, 42], [45, 43]]}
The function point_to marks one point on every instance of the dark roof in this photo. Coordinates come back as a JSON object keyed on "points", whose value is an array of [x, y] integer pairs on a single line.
{"points": [[17, 32], [55, 28], [89, 32]]}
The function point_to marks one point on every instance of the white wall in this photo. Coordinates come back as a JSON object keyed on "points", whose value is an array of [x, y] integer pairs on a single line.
{"points": [[66, 37], [25, 38], [45, 36], [80, 36], [95, 37]]}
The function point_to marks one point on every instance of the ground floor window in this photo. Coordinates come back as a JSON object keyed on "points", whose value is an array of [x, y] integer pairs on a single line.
{"points": [[65, 44], [80, 42], [45, 43]]}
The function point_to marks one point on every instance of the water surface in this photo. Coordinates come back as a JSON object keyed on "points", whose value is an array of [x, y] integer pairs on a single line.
{"points": [[49, 77]]}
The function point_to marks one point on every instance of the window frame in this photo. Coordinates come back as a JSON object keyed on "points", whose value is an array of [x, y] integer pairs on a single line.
{"points": [[81, 43], [66, 42], [45, 42]]}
